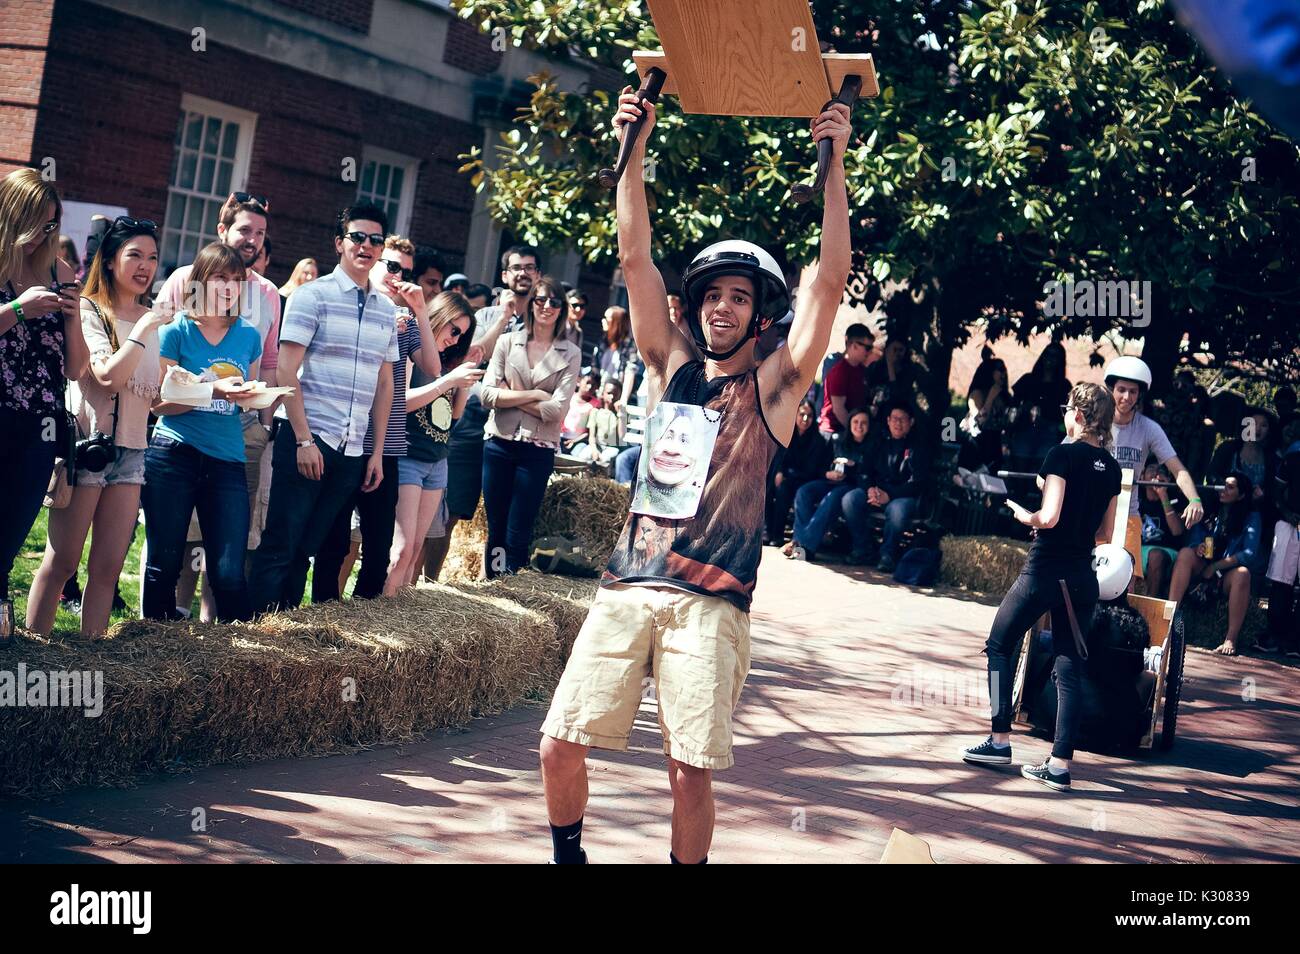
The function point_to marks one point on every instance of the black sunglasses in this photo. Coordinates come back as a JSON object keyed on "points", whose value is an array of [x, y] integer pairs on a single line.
{"points": [[360, 238], [126, 222], [553, 301], [395, 267], [249, 197], [455, 332]]}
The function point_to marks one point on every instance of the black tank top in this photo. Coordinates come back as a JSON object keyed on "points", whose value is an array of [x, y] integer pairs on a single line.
{"points": [[716, 552]]}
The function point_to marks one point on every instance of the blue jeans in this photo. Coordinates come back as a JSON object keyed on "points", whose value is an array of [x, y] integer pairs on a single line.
{"points": [[626, 464], [815, 506], [180, 479], [24, 476], [514, 483], [298, 517], [898, 512]]}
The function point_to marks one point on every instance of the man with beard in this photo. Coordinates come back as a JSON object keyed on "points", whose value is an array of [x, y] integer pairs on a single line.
{"points": [[242, 225], [675, 598], [521, 265]]}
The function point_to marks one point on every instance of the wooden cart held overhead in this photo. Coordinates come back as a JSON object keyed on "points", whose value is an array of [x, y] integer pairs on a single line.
{"points": [[746, 58], [1163, 686]]}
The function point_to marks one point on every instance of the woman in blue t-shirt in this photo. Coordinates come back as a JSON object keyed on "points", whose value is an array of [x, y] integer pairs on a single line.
{"points": [[196, 458]]}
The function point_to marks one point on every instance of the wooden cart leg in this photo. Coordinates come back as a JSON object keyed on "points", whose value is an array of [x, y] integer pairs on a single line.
{"points": [[651, 86], [849, 90]]}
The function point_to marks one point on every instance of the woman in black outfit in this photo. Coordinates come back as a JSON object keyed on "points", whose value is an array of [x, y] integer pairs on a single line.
{"points": [[807, 458], [1080, 482]]}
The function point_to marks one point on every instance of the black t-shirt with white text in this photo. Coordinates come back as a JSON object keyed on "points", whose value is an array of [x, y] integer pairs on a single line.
{"points": [[1092, 478]]}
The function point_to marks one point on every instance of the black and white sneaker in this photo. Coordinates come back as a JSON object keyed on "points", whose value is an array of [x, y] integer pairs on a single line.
{"points": [[988, 753], [1059, 781]]}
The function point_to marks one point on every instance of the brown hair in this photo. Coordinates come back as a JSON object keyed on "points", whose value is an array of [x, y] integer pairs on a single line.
{"points": [[553, 290], [445, 308], [620, 325], [399, 244], [1097, 406], [214, 260], [233, 207]]}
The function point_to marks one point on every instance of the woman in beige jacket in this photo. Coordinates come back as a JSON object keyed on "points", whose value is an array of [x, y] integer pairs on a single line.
{"points": [[527, 388]]}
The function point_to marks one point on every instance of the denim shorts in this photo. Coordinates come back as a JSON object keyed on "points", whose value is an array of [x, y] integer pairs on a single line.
{"points": [[428, 475], [127, 469]]}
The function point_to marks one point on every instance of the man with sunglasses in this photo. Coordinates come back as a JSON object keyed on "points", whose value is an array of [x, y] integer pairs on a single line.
{"points": [[377, 508], [337, 345], [242, 225]]}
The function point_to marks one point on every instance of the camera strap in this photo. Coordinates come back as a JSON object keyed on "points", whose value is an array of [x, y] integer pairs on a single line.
{"points": [[112, 340]]}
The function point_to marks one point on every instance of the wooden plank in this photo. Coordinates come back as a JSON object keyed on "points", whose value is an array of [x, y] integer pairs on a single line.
{"points": [[1158, 613], [644, 60], [743, 57], [840, 65]]}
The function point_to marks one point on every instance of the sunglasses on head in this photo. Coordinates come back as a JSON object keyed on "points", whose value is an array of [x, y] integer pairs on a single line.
{"points": [[553, 301], [143, 225], [395, 267], [360, 238], [249, 197], [1067, 408]]}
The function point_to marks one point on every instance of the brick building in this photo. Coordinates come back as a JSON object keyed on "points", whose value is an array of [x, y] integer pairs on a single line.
{"points": [[163, 107]]}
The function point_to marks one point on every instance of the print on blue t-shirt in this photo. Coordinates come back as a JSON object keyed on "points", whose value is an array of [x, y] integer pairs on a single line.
{"points": [[214, 430]]}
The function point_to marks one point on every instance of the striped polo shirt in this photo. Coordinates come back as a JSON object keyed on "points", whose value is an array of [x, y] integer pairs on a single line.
{"points": [[408, 342], [348, 334]]}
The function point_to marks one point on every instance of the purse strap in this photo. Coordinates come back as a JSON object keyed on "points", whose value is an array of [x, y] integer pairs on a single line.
{"points": [[1079, 644]]}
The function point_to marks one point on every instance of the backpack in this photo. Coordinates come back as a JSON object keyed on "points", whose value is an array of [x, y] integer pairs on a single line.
{"points": [[919, 566]]}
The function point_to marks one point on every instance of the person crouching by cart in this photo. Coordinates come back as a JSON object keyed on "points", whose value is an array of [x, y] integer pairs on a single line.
{"points": [[1081, 484]]}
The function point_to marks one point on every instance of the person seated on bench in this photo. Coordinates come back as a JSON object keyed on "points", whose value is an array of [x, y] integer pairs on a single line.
{"points": [[1221, 555], [818, 501], [583, 402], [603, 429], [898, 470], [807, 458]]}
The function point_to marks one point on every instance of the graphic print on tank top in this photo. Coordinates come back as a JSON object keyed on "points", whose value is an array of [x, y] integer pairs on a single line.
{"points": [[671, 474], [716, 552]]}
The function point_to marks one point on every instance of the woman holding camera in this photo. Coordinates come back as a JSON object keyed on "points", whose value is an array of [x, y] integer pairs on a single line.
{"points": [[40, 346], [121, 334]]}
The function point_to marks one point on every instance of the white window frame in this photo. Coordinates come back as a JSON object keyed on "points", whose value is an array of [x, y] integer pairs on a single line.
{"points": [[410, 167], [243, 151]]}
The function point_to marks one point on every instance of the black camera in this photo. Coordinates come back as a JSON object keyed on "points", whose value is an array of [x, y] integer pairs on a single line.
{"points": [[95, 453]]}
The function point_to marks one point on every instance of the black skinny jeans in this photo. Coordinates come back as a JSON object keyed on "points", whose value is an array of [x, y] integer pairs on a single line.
{"points": [[1036, 591]]}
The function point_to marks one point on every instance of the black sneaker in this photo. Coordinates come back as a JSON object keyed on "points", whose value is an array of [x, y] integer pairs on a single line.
{"points": [[987, 753], [886, 564], [1059, 781]]}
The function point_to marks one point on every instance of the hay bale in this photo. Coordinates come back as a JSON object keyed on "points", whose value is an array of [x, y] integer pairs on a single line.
{"points": [[588, 510], [307, 682], [464, 562], [982, 564]]}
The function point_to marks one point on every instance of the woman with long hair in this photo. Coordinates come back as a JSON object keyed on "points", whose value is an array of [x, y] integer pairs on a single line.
{"points": [[1222, 553], [987, 404], [41, 347], [433, 405], [1037, 396], [527, 387], [195, 461], [305, 271], [806, 458], [1081, 483], [618, 356], [122, 383]]}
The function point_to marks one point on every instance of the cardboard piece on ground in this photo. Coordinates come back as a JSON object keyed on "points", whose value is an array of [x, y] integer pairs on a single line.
{"points": [[905, 849]]}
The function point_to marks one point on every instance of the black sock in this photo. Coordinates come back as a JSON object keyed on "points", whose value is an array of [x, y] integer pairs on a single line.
{"points": [[673, 858], [567, 840]]}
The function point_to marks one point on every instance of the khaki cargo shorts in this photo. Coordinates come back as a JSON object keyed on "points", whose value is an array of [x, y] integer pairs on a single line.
{"points": [[697, 649]]}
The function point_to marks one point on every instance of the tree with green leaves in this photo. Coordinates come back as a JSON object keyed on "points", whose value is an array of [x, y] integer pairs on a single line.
{"points": [[1013, 145]]}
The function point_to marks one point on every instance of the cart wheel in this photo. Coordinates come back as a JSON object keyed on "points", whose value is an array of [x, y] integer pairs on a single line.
{"points": [[1177, 647]]}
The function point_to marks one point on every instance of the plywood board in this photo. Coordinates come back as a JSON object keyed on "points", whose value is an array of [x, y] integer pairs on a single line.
{"points": [[840, 65], [743, 57], [646, 60]]}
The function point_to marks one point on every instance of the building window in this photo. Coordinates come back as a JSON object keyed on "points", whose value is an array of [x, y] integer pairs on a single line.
{"points": [[213, 145], [388, 180]]}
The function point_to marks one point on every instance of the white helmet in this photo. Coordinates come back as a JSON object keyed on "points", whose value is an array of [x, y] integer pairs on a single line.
{"points": [[734, 257], [1128, 368], [1114, 568]]}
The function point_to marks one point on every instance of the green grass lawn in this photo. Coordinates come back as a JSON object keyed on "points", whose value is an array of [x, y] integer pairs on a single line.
{"points": [[65, 623]]}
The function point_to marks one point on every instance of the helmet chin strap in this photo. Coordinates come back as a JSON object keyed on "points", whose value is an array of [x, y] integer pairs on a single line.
{"points": [[751, 331]]}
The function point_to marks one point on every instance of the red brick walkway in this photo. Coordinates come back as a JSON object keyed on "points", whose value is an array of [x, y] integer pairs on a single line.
{"points": [[860, 695]]}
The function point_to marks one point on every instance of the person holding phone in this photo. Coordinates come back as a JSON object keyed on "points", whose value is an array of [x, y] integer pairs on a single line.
{"points": [[1081, 483], [41, 347], [122, 334]]}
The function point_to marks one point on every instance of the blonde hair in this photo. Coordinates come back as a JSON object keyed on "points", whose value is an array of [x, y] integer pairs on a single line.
{"points": [[445, 308], [1097, 408], [399, 244], [298, 278], [23, 197]]}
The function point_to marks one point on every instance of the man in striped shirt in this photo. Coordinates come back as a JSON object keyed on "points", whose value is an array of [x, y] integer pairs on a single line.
{"points": [[338, 342]]}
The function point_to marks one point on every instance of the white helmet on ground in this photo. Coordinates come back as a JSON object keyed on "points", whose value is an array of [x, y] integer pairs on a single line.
{"points": [[735, 257], [1128, 368], [1114, 568]]}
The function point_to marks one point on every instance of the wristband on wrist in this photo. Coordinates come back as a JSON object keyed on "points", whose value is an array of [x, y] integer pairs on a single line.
{"points": [[1196, 500], [307, 443], [18, 310]]}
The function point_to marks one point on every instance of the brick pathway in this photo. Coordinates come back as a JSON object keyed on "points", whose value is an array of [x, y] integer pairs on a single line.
{"points": [[859, 696]]}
